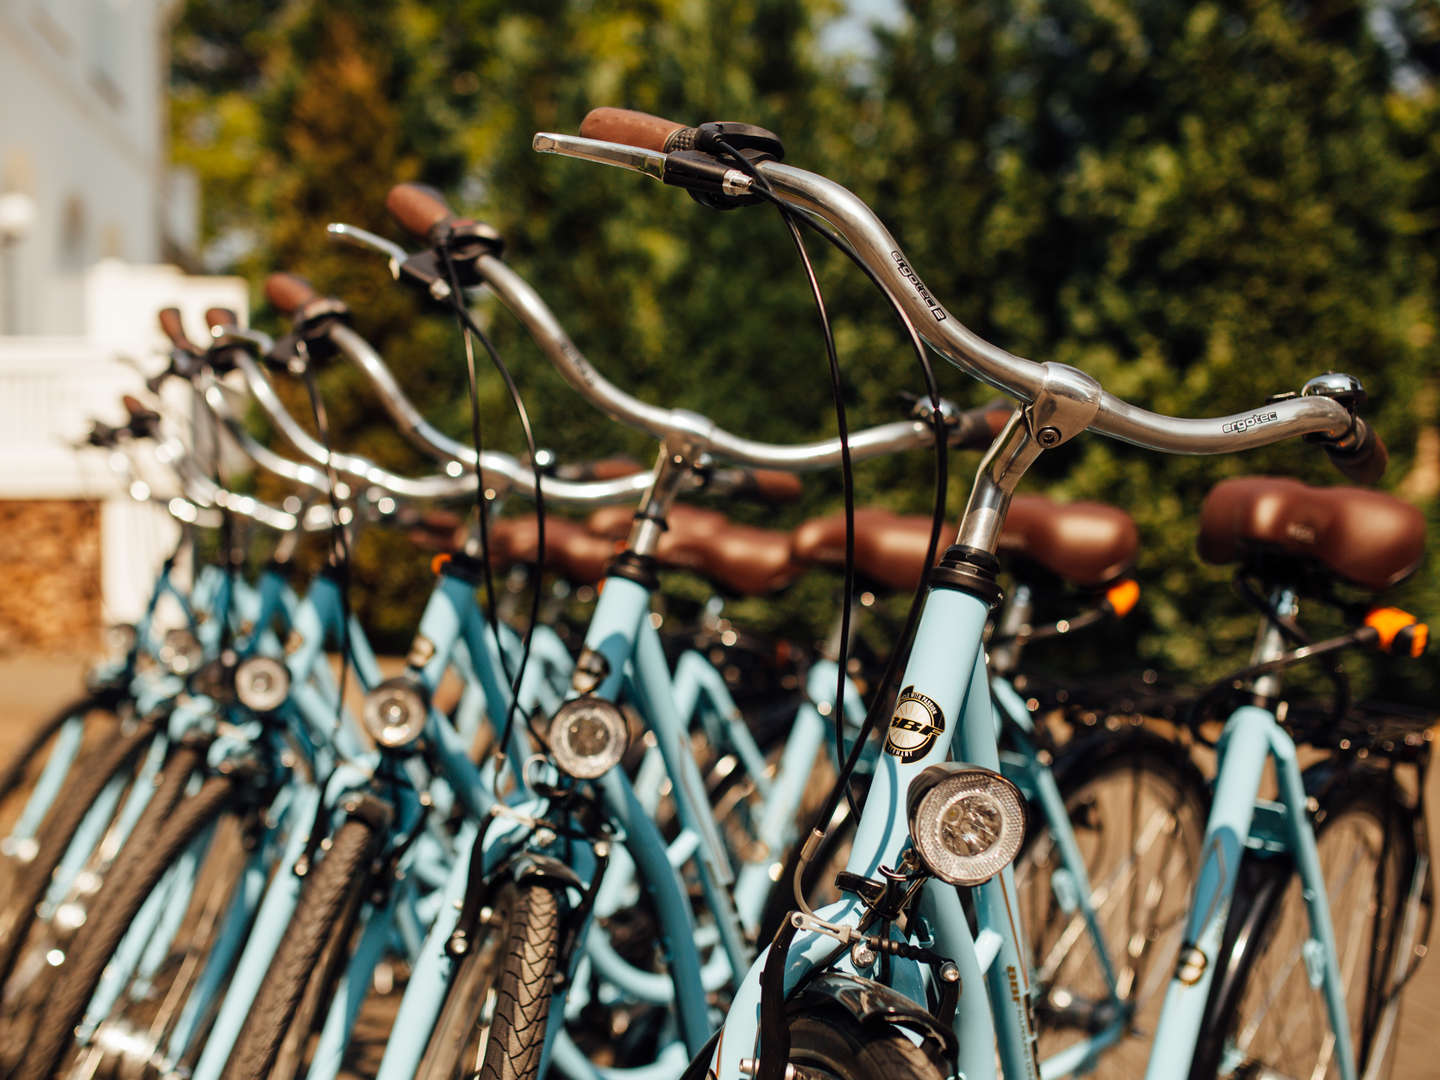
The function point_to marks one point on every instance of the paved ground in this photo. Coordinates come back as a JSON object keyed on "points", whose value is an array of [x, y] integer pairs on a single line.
{"points": [[34, 686]]}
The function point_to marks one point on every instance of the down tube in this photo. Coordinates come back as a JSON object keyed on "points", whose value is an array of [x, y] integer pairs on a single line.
{"points": [[998, 909]]}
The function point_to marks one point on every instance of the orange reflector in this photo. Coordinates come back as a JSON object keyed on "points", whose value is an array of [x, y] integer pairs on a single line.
{"points": [[1392, 624], [1123, 596], [439, 561]]}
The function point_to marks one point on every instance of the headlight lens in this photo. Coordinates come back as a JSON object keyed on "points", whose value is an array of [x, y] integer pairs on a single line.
{"points": [[119, 640], [395, 713], [967, 822], [588, 737], [180, 651], [262, 683]]}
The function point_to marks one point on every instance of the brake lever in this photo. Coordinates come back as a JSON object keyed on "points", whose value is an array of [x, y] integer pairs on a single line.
{"points": [[363, 238], [649, 163]]}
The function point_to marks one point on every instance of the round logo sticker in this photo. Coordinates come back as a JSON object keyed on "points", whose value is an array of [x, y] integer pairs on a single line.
{"points": [[915, 725]]}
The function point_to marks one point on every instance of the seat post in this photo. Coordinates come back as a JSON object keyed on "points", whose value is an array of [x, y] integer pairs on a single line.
{"points": [[1270, 643]]}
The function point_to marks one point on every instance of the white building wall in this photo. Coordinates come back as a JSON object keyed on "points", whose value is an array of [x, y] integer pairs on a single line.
{"points": [[82, 123], [83, 137]]}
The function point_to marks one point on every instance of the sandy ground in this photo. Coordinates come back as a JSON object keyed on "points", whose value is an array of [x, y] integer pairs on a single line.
{"points": [[35, 686]]}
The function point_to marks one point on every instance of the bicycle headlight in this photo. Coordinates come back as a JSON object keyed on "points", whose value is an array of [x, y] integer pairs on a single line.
{"points": [[395, 713], [120, 639], [262, 683], [967, 823], [588, 737], [180, 651]]}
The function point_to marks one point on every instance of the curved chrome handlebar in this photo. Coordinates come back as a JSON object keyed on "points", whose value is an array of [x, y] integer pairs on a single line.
{"points": [[872, 244], [693, 432]]}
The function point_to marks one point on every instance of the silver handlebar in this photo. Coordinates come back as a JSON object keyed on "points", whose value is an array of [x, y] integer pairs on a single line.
{"points": [[497, 467], [502, 470], [872, 244], [695, 433]]}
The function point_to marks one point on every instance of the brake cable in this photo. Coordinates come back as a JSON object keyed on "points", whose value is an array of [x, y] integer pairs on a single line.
{"points": [[339, 535], [850, 762], [469, 327], [339, 562]]}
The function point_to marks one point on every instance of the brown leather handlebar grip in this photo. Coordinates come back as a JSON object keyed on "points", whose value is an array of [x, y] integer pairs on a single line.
{"points": [[997, 415], [174, 329], [629, 128], [417, 208], [611, 468], [288, 293], [220, 317], [772, 485]]}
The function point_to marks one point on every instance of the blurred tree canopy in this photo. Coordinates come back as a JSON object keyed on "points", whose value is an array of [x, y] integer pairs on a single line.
{"points": [[1200, 204]]}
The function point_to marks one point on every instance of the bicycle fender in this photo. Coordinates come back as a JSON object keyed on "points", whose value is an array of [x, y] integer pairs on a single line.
{"points": [[533, 866], [871, 1002]]}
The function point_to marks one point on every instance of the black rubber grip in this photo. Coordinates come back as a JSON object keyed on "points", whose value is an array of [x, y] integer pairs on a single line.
{"points": [[1364, 461]]}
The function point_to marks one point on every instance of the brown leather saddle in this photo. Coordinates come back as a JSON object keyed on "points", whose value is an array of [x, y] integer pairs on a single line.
{"points": [[1367, 537], [1085, 543], [740, 559]]}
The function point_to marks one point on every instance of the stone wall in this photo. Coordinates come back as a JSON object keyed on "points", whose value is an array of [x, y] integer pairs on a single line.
{"points": [[50, 555]]}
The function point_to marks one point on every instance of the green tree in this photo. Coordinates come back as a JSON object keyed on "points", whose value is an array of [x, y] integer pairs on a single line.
{"points": [[1199, 204]]}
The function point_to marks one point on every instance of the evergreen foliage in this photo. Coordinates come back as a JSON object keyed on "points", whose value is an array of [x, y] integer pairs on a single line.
{"points": [[1200, 204]]}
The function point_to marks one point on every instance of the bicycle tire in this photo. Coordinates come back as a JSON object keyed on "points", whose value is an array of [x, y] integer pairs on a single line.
{"points": [[53, 838], [319, 990], [116, 905], [331, 885], [134, 1036], [834, 1043], [1362, 820], [511, 973], [1139, 786]]}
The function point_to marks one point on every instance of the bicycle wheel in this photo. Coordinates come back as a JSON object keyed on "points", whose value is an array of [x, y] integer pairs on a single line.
{"points": [[133, 1038], [31, 880], [19, 769], [332, 887], [493, 1023], [116, 906], [1136, 806], [1264, 1014], [833, 1043]]}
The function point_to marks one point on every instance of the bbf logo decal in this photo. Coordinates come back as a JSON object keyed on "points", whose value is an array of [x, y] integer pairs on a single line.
{"points": [[915, 725]]}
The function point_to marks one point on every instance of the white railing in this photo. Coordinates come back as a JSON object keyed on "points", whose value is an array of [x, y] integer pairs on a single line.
{"points": [[50, 390]]}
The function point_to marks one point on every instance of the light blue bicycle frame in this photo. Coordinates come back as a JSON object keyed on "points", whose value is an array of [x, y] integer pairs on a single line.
{"points": [[951, 627], [1241, 820]]}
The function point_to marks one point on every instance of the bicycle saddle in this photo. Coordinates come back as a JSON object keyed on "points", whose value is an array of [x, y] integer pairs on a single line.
{"points": [[571, 550], [740, 559], [1085, 543], [1367, 537]]}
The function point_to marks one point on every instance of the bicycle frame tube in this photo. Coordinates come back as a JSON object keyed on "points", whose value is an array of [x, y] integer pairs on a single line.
{"points": [[1251, 736], [611, 638], [1070, 882], [950, 626]]}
